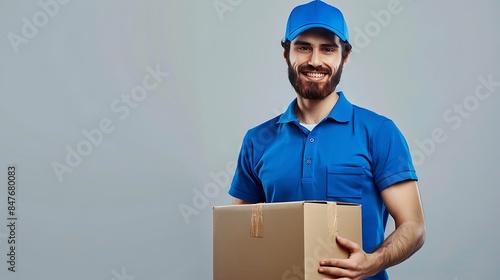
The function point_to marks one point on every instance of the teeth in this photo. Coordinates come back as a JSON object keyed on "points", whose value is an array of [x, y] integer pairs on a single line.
{"points": [[315, 75]]}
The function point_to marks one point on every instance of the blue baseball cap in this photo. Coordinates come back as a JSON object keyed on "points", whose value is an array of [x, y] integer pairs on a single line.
{"points": [[313, 15]]}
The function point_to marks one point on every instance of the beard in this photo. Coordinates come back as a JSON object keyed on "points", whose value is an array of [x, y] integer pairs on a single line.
{"points": [[313, 90]]}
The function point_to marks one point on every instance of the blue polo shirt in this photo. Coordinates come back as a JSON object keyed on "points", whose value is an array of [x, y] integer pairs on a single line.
{"points": [[350, 156]]}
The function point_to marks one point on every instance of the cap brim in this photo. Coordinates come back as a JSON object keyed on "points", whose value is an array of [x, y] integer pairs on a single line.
{"points": [[301, 29]]}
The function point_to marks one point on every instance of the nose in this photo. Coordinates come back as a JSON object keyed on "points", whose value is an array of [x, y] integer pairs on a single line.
{"points": [[315, 59]]}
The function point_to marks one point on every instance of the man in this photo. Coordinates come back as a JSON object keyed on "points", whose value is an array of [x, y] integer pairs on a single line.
{"points": [[324, 148]]}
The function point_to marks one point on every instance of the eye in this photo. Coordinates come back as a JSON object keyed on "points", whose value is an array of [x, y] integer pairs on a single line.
{"points": [[330, 49], [303, 48]]}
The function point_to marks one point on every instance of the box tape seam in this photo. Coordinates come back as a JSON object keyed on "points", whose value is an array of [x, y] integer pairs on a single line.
{"points": [[332, 216], [257, 222]]}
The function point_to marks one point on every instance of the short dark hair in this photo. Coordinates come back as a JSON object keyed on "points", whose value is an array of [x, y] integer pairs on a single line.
{"points": [[345, 46]]}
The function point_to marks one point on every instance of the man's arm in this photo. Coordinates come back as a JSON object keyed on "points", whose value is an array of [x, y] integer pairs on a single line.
{"points": [[404, 205], [239, 201]]}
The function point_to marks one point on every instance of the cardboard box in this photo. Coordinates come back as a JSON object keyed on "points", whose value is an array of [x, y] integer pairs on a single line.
{"points": [[280, 241]]}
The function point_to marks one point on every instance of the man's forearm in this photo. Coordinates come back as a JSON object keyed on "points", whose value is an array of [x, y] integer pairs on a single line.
{"points": [[400, 245]]}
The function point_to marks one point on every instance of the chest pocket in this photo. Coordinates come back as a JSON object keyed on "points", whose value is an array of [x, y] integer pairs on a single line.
{"points": [[345, 181]]}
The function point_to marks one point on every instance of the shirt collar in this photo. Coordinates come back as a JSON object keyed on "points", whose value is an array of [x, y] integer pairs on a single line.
{"points": [[289, 114], [341, 112]]}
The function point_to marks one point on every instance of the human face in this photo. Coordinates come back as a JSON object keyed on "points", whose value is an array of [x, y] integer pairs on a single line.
{"points": [[315, 63]]}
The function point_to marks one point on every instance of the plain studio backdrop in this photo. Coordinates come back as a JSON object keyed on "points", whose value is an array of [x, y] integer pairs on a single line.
{"points": [[123, 121]]}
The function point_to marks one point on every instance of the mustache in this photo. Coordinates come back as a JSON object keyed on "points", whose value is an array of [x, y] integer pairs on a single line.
{"points": [[310, 68]]}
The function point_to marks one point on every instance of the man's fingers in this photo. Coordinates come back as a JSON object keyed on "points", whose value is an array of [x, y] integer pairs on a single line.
{"points": [[338, 263], [348, 244], [334, 271], [340, 267], [341, 263]]}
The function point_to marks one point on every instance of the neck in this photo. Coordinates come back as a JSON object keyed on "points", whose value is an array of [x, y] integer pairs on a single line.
{"points": [[313, 111]]}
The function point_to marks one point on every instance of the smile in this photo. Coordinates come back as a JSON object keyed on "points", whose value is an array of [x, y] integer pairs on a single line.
{"points": [[315, 75]]}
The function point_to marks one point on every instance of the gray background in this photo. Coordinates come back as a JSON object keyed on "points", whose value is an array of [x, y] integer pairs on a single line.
{"points": [[117, 214]]}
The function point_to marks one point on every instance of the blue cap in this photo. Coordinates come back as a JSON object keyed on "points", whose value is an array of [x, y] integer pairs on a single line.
{"points": [[316, 14]]}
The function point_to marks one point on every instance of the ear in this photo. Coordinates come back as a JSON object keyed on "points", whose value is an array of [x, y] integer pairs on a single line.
{"points": [[286, 46], [346, 59]]}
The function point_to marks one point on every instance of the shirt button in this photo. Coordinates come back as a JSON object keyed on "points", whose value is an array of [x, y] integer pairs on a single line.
{"points": [[311, 140], [308, 161]]}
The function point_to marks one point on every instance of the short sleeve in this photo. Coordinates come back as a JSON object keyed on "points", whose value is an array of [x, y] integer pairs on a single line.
{"points": [[246, 185], [391, 155]]}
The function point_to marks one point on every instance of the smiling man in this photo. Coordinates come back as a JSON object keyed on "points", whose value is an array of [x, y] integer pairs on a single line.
{"points": [[325, 148]]}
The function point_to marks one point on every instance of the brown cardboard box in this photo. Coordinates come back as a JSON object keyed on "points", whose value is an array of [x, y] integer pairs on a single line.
{"points": [[280, 241]]}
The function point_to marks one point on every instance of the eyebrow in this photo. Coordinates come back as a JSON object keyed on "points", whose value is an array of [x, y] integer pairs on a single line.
{"points": [[304, 43]]}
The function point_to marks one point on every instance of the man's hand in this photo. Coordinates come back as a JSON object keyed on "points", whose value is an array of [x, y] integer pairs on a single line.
{"points": [[358, 266], [403, 203]]}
